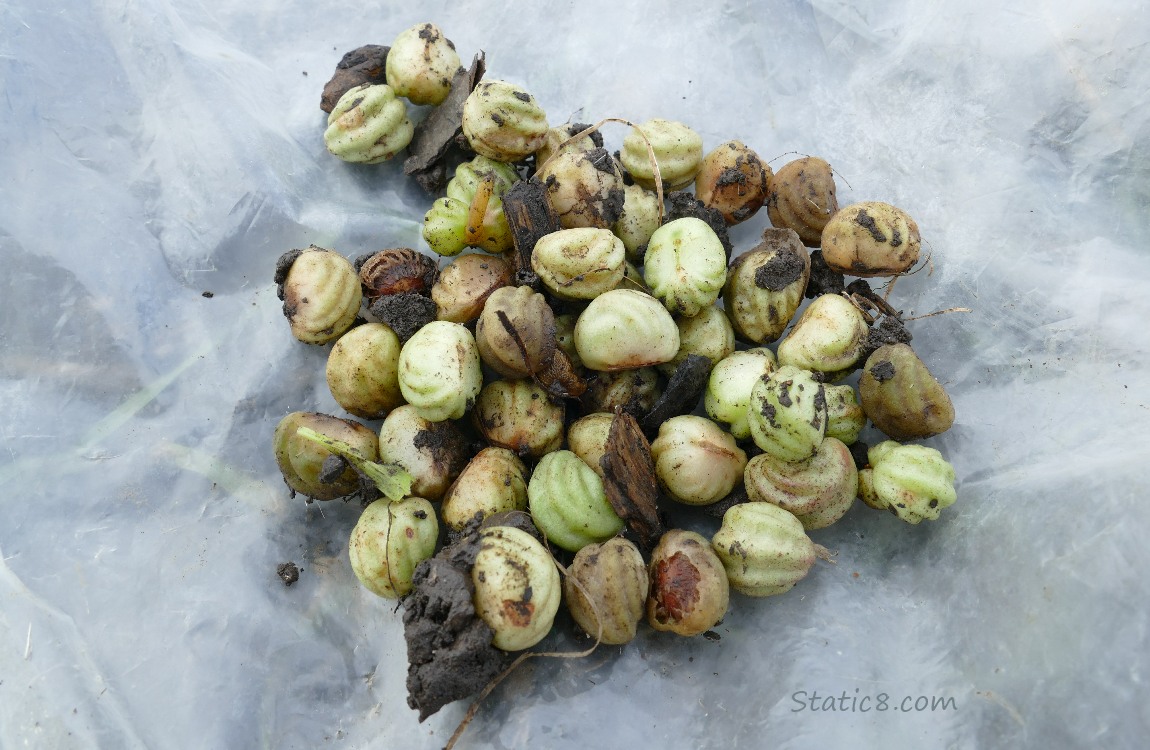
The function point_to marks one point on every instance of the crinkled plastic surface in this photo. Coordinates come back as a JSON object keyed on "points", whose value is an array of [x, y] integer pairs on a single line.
{"points": [[155, 151]]}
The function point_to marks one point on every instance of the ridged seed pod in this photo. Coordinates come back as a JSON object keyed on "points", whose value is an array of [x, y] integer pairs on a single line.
{"points": [[729, 387], [560, 135], [368, 125], [439, 371], [517, 587], [639, 220], [733, 181], [363, 371], [606, 587], [678, 152], [502, 121], [301, 461], [432, 452], [471, 214], [568, 502], [465, 284], [788, 414], [708, 334], [689, 591], [828, 337], [624, 330], [912, 481], [871, 239], [696, 462], [517, 415], [845, 417], [765, 286], [636, 391], [516, 332], [421, 64], [818, 491], [321, 294], [764, 549], [801, 196], [587, 438], [495, 481], [585, 188], [901, 397], [388, 541], [579, 264], [565, 337], [685, 266]]}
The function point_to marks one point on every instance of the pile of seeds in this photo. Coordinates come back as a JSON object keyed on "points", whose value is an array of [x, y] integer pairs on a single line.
{"points": [[541, 395]]}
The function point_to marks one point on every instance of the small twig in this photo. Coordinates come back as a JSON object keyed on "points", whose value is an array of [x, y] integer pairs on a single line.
{"points": [[941, 312]]}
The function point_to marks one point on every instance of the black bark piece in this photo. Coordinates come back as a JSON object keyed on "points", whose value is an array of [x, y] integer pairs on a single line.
{"points": [[443, 129], [824, 279], [681, 204], [681, 394], [366, 64], [404, 313], [629, 480], [530, 216]]}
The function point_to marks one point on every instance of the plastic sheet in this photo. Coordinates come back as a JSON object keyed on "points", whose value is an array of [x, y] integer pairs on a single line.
{"points": [[157, 150]]}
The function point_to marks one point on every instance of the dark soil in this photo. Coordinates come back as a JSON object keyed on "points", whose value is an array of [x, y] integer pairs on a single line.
{"points": [[449, 651], [283, 266], [288, 573], [888, 330], [404, 313], [779, 272], [681, 204], [824, 279], [737, 496]]}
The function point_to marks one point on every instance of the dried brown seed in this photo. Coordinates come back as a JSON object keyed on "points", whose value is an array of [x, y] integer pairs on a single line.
{"points": [[606, 588], [516, 332], [871, 239], [733, 179], [518, 415], [464, 286], [901, 397], [801, 196], [765, 286], [396, 271], [689, 590]]}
